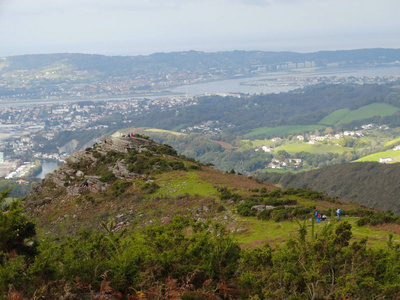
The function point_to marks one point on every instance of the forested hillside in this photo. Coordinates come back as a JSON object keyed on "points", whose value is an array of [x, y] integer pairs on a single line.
{"points": [[367, 183], [303, 107]]}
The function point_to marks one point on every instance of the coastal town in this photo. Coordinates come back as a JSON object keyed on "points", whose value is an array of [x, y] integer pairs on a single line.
{"points": [[24, 130]]}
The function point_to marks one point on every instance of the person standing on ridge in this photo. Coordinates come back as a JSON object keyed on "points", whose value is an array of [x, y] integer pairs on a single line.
{"points": [[338, 212]]}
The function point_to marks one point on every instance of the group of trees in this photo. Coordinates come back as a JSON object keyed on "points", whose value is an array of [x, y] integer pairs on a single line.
{"points": [[293, 108], [361, 182], [191, 260]]}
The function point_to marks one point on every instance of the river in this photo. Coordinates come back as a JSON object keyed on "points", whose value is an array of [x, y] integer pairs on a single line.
{"points": [[241, 85], [48, 166]]}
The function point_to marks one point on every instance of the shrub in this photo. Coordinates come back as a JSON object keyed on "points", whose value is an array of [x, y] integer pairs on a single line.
{"points": [[225, 194], [151, 187], [245, 208], [264, 215], [221, 208], [194, 167], [118, 188], [96, 154], [166, 149], [276, 202], [177, 165], [108, 176], [279, 215]]}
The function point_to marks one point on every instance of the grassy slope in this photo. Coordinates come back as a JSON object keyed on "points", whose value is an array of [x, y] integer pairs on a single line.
{"points": [[334, 117], [282, 130], [375, 157], [393, 142], [317, 148], [163, 131], [259, 232], [344, 116]]}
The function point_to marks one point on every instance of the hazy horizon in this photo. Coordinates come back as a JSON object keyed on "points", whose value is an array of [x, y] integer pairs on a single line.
{"points": [[142, 27]]}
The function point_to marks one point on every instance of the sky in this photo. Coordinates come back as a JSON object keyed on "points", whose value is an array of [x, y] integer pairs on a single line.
{"points": [[140, 27]]}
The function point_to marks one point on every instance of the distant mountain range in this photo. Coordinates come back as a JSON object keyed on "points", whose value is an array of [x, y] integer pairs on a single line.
{"points": [[76, 75], [195, 60]]}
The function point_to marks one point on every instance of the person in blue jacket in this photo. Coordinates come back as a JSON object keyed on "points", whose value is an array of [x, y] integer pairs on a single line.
{"points": [[338, 212]]}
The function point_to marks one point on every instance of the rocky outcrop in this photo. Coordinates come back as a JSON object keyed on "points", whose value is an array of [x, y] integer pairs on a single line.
{"points": [[125, 144], [73, 176], [91, 183]]}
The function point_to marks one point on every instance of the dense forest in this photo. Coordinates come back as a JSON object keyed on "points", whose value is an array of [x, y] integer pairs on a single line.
{"points": [[368, 183], [303, 107]]}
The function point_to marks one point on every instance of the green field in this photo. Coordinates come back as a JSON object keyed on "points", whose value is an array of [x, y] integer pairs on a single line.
{"points": [[375, 157], [334, 117], [179, 127], [188, 183], [343, 116], [393, 142], [322, 148], [283, 130], [257, 143]]}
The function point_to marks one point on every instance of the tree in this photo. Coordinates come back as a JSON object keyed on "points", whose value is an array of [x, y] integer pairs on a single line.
{"points": [[15, 229]]}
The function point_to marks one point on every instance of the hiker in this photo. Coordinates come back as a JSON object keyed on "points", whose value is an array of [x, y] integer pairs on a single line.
{"points": [[323, 217], [319, 218], [338, 212], [316, 216]]}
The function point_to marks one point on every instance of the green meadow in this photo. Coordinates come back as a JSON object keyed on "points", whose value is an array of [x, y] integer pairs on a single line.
{"points": [[343, 116], [283, 130], [316, 148], [375, 157], [393, 142], [188, 183]]}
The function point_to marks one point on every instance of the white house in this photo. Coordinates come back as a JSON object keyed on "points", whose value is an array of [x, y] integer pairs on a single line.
{"points": [[267, 148], [386, 159]]}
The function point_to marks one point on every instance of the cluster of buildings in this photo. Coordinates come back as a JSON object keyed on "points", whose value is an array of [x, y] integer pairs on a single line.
{"points": [[84, 84], [208, 127], [313, 139], [294, 163], [24, 130]]}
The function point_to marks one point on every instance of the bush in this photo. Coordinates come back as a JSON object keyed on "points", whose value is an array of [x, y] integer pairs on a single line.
{"points": [[264, 215], [177, 165], [166, 149], [118, 188], [108, 176], [221, 208], [225, 194], [279, 215], [151, 187], [276, 202], [245, 208], [194, 167]]}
